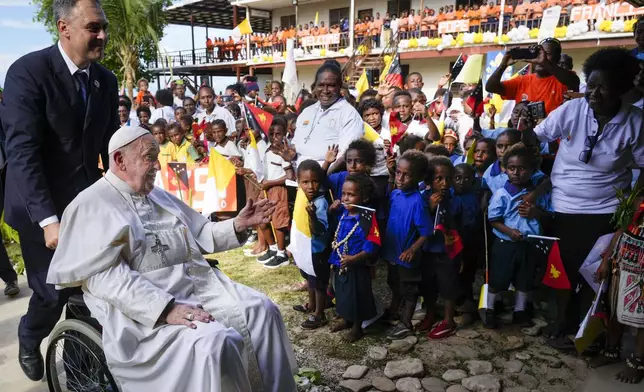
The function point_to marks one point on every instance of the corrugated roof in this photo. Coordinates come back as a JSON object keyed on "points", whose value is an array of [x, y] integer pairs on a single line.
{"points": [[213, 13]]}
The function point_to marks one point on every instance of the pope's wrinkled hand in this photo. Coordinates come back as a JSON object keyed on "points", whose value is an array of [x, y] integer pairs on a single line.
{"points": [[185, 315], [253, 214]]}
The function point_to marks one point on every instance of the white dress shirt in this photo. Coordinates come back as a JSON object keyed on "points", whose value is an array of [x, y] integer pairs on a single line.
{"points": [[218, 113], [73, 68], [317, 129], [164, 112], [589, 188]]}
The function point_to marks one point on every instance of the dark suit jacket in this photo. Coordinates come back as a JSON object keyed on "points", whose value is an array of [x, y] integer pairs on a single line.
{"points": [[52, 146]]}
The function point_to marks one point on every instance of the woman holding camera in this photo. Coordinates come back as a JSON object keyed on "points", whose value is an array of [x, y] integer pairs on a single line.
{"points": [[548, 83], [601, 138]]}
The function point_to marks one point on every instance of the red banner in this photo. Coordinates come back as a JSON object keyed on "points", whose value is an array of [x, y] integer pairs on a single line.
{"points": [[189, 182]]}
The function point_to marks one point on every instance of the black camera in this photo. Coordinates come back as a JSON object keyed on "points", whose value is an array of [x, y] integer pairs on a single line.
{"points": [[537, 110], [524, 53]]}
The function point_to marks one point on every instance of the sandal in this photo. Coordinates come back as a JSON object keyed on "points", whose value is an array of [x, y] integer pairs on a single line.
{"points": [[607, 356], [302, 308], [441, 331], [634, 372], [313, 322]]}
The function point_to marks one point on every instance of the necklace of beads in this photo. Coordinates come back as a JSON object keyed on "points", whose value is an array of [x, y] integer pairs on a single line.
{"points": [[344, 243]]}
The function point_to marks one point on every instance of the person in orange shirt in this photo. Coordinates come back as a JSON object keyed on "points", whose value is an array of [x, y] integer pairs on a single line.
{"points": [[492, 17], [278, 39], [306, 31], [521, 13], [432, 21], [424, 24], [230, 48], [357, 29], [460, 12], [411, 24], [374, 29], [474, 15], [335, 29], [239, 49], [323, 29], [536, 13], [441, 15], [315, 31], [210, 48], [403, 23], [449, 13], [483, 10]]}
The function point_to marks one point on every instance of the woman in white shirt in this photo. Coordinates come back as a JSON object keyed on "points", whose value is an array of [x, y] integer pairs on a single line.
{"points": [[600, 139], [164, 110]]}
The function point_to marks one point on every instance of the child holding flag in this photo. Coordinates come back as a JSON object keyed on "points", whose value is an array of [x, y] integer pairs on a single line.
{"points": [[182, 149], [408, 227], [276, 172], [514, 260], [310, 177], [442, 259], [356, 239]]}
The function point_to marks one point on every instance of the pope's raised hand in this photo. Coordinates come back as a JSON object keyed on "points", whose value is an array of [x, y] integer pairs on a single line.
{"points": [[186, 314], [253, 214]]}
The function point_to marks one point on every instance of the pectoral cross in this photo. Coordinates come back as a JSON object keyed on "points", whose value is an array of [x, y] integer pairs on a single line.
{"points": [[159, 248]]}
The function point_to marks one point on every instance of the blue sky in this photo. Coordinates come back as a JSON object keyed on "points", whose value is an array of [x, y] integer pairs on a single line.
{"points": [[19, 34]]}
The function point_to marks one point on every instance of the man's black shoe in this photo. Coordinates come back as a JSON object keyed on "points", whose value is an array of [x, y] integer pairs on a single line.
{"points": [[31, 363]]}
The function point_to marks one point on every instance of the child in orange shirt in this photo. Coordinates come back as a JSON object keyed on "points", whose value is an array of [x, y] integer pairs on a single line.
{"points": [[424, 24], [323, 29], [375, 27], [449, 13], [460, 13], [474, 15], [411, 24], [403, 22]]}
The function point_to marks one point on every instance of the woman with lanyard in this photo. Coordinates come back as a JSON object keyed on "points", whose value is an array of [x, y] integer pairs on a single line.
{"points": [[331, 120], [600, 140]]}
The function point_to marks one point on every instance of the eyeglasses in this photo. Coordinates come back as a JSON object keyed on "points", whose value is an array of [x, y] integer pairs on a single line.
{"points": [[586, 154]]}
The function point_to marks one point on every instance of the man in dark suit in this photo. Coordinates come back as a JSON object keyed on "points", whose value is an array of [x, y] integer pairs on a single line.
{"points": [[59, 112]]}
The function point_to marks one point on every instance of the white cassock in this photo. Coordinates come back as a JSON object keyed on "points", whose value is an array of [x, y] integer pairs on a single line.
{"points": [[134, 254]]}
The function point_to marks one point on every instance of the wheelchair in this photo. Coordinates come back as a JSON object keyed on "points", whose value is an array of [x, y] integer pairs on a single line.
{"points": [[75, 360]]}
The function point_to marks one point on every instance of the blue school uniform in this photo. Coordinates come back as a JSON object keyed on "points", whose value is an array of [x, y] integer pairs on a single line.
{"points": [[319, 242], [544, 148], [353, 291], [449, 215], [494, 178], [504, 206], [457, 159], [408, 220], [336, 181], [470, 211], [357, 242]]}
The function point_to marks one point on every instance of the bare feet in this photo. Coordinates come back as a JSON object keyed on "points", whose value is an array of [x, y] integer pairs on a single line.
{"points": [[353, 335], [606, 357], [634, 371], [342, 325]]}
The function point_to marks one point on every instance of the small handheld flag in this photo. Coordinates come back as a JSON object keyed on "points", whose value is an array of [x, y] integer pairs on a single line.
{"points": [[370, 134], [362, 84], [394, 73], [396, 128], [483, 296], [258, 119], [555, 275]]}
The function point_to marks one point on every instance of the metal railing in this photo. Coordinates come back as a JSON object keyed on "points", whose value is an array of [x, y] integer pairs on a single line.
{"points": [[200, 56]]}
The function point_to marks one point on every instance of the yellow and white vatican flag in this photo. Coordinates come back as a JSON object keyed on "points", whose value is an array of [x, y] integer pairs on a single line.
{"points": [[252, 158], [221, 187], [242, 29], [300, 246], [472, 70]]}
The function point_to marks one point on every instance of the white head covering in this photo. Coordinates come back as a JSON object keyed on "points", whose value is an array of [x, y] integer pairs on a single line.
{"points": [[124, 136]]}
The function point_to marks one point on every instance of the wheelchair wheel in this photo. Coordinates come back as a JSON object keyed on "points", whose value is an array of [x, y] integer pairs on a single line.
{"points": [[75, 360]]}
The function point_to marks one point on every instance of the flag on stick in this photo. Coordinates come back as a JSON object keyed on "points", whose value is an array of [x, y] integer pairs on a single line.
{"points": [[385, 69], [289, 77], [475, 100], [555, 276], [257, 118], [252, 158], [471, 71], [221, 186], [458, 66], [242, 29], [369, 224], [483, 296], [300, 246], [394, 73], [592, 326], [396, 128], [362, 84], [317, 19], [370, 134]]}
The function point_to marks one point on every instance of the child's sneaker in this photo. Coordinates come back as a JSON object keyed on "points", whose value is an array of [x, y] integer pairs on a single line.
{"points": [[442, 330], [400, 331], [521, 319], [489, 321], [276, 262], [266, 257]]}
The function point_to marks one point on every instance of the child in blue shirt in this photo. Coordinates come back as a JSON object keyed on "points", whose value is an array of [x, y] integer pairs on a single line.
{"points": [[408, 227], [514, 260], [356, 239], [360, 157], [310, 176], [471, 231], [440, 273], [495, 177]]}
